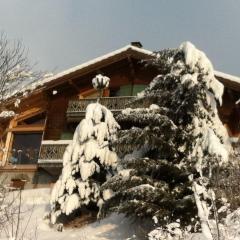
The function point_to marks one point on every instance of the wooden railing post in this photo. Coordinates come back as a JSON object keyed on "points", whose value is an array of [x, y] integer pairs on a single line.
{"points": [[8, 143]]}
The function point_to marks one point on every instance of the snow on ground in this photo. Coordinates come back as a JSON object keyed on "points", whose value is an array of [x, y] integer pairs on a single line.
{"points": [[36, 201]]}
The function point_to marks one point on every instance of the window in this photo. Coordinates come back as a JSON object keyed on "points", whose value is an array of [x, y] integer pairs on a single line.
{"points": [[34, 120], [68, 131], [128, 90], [25, 148], [24, 136]]}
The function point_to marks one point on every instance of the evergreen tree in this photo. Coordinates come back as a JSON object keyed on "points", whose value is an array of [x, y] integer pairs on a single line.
{"points": [[87, 162], [171, 145]]}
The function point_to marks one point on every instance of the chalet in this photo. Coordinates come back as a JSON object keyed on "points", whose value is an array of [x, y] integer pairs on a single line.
{"points": [[35, 139]]}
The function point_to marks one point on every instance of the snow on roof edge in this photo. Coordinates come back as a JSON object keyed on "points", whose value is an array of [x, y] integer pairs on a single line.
{"points": [[118, 51], [34, 85], [227, 76], [96, 60]]}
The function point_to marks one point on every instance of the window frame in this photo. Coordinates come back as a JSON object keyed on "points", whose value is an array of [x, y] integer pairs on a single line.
{"points": [[25, 132], [13, 127]]}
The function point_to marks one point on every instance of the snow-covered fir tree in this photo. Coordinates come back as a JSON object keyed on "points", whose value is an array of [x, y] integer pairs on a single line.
{"points": [[171, 146], [87, 162]]}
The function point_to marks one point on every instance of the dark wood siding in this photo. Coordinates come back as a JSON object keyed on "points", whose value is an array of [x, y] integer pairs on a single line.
{"points": [[56, 118]]}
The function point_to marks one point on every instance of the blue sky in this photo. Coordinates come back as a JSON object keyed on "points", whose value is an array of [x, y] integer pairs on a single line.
{"points": [[64, 33]]}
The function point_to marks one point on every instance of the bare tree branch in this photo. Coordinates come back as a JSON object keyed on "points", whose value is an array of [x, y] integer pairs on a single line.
{"points": [[15, 68]]}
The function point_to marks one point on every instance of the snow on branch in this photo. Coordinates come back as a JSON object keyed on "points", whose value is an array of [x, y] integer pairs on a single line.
{"points": [[197, 59], [16, 73], [7, 114], [100, 82], [86, 161]]}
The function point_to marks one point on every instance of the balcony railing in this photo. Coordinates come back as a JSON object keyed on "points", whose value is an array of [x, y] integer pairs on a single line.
{"points": [[51, 152], [77, 108]]}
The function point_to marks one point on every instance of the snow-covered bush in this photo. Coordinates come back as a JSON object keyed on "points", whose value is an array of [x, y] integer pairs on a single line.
{"points": [[171, 231], [225, 183], [87, 162], [229, 229], [170, 148]]}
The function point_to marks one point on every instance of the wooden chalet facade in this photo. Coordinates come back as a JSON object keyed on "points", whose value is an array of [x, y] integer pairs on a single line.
{"points": [[35, 139]]}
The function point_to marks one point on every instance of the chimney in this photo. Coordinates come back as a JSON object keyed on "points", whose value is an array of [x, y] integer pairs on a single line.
{"points": [[136, 44]]}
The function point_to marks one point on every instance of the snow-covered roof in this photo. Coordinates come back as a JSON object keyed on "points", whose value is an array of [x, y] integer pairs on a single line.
{"points": [[227, 77], [45, 81], [129, 47], [99, 59], [94, 62]]}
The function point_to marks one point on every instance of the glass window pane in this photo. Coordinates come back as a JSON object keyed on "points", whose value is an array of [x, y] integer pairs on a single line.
{"points": [[25, 148]]}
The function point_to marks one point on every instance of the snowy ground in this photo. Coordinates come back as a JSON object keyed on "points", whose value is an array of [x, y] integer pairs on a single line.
{"points": [[116, 227], [36, 201]]}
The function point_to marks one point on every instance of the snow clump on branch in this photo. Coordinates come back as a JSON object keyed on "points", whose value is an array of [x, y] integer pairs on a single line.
{"points": [[100, 82], [87, 162]]}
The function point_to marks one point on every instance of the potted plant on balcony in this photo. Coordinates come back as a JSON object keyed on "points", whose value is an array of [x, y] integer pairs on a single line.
{"points": [[19, 181]]}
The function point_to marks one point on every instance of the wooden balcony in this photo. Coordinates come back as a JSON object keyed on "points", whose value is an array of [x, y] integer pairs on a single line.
{"points": [[76, 109], [51, 153]]}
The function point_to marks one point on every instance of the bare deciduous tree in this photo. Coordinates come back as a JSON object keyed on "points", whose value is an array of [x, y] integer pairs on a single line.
{"points": [[14, 217], [15, 69], [16, 72]]}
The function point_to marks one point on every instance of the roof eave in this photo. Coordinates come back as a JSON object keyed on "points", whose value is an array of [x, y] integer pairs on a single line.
{"points": [[98, 63]]}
